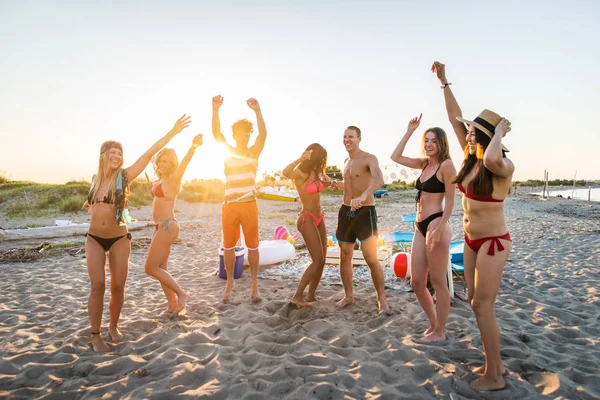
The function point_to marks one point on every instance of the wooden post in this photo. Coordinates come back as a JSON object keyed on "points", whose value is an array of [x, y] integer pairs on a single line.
{"points": [[573, 191], [589, 194], [544, 186]]}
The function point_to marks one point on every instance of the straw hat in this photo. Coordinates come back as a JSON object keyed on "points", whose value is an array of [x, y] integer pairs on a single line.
{"points": [[486, 122]]}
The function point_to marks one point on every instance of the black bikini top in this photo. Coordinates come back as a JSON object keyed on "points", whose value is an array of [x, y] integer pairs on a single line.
{"points": [[431, 185]]}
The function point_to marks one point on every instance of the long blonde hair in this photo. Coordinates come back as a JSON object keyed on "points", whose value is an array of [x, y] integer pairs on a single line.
{"points": [[103, 170], [171, 157]]}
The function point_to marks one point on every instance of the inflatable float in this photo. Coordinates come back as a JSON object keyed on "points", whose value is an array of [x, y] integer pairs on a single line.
{"points": [[272, 252]]}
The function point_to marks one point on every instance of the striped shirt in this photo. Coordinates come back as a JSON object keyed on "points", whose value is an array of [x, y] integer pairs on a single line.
{"points": [[240, 177]]}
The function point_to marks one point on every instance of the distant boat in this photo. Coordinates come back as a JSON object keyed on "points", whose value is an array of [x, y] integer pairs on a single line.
{"points": [[380, 192]]}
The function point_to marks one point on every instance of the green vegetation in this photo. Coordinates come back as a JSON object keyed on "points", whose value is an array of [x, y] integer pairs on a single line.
{"points": [[200, 190]]}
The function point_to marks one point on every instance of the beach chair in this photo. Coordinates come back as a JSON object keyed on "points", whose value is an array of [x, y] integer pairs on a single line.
{"points": [[455, 264]]}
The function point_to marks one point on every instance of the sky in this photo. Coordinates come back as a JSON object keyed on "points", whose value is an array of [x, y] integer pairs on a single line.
{"points": [[74, 75]]}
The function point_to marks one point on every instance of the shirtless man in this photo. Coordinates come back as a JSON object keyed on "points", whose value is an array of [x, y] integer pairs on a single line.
{"points": [[357, 218]]}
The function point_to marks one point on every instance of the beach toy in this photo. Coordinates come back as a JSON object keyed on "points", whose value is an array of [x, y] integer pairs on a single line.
{"points": [[282, 233], [273, 252], [239, 263], [401, 264], [380, 241], [409, 217]]}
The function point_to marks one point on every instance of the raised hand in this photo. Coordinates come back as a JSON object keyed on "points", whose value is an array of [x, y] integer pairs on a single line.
{"points": [[217, 101], [414, 123], [253, 104], [183, 122], [197, 140], [503, 127], [440, 71]]}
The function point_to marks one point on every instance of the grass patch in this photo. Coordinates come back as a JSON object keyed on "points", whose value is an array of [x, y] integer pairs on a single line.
{"points": [[72, 204], [200, 190], [290, 221], [139, 193]]}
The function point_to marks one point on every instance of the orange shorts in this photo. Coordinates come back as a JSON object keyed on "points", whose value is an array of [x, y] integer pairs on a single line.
{"points": [[240, 213]]}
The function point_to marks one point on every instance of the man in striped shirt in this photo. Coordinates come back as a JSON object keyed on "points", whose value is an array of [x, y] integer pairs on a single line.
{"points": [[239, 208]]}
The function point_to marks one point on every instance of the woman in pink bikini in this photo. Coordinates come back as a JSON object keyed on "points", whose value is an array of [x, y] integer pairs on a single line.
{"points": [[308, 173], [165, 190], [485, 181], [431, 242]]}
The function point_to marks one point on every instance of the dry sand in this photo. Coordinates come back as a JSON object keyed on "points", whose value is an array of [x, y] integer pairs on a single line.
{"points": [[548, 309]]}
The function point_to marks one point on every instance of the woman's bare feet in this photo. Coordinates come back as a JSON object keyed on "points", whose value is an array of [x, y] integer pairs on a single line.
{"points": [[428, 331], [481, 370], [344, 302], [311, 298], [98, 344], [172, 305], [433, 336], [181, 303], [115, 335], [300, 302], [485, 383], [383, 308]]}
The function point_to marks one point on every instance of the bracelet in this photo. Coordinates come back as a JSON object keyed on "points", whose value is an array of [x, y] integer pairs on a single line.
{"points": [[445, 85]]}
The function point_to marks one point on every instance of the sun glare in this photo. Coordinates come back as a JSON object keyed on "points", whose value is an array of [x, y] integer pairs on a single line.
{"points": [[210, 161]]}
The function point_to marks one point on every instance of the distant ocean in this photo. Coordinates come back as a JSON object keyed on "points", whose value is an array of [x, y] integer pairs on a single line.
{"points": [[580, 193]]}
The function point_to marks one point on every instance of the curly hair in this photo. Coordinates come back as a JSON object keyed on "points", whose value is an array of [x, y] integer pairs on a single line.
{"points": [[242, 126]]}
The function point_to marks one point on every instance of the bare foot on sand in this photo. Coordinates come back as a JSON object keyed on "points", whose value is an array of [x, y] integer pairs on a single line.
{"points": [[172, 305], [181, 303], [485, 383], [98, 344], [344, 302], [428, 331], [433, 336], [300, 302], [481, 370], [254, 296], [115, 335], [311, 298], [227, 292], [383, 308]]}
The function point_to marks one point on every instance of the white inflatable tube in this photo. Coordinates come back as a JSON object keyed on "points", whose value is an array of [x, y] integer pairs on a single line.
{"points": [[273, 252]]}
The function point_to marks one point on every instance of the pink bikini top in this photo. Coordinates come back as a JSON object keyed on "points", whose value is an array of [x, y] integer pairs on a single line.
{"points": [[470, 195], [312, 188]]}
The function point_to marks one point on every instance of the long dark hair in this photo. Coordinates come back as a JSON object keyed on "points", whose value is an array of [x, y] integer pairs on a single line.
{"points": [[482, 182], [317, 162]]}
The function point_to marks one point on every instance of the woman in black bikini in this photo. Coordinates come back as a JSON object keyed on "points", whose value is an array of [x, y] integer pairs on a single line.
{"points": [[165, 191], [108, 226], [308, 173], [485, 179], [431, 242]]}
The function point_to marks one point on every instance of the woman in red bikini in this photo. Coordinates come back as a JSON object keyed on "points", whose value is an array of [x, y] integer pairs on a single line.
{"points": [[108, 226], [165, 191], [485, 181], [308, 173], [431, 242]]}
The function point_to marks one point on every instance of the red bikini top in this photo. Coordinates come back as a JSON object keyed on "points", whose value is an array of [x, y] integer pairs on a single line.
{"points": [[470, 195], [157, 190]]}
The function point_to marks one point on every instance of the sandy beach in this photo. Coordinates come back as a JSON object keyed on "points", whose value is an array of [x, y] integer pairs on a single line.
{"points": [[548, 309]]}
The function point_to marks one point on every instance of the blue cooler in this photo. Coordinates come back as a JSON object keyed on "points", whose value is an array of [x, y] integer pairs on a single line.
{"points": [[239, 263]]}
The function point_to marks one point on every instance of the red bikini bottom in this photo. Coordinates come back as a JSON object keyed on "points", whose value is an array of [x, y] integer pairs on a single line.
{"points": [[476, 244]]}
